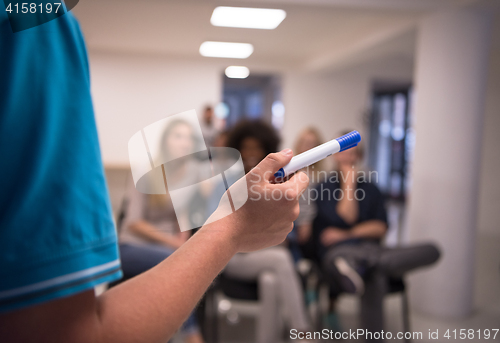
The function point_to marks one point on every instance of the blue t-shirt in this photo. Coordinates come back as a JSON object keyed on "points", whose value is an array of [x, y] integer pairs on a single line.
{"points": [[57, 235]]}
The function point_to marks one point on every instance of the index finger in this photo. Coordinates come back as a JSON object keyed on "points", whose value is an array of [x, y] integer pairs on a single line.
{"points": [[299, 181], [273, 162]]}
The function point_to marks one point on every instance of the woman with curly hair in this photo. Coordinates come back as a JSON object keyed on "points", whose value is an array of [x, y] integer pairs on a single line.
{"points": [[254, 140]]}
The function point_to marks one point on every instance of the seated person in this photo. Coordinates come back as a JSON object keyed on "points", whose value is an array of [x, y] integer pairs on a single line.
{"points": [[348, 228], [309, 138], [349, 225], [150, 231], [254, 140]]}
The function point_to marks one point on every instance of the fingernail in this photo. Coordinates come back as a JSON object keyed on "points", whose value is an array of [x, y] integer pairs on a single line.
{"points": [[287, 152]]}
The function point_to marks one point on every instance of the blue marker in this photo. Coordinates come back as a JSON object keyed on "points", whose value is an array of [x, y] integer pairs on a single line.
{"points": [[320, 152]]}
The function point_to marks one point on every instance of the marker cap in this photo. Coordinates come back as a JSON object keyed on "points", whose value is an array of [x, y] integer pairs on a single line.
{"points": [[280, 173], [349, 140]]}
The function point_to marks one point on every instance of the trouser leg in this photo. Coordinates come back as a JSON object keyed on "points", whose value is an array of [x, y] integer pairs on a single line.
{"points": [[136, 259], [278, 260], [395, 262], [267, 321], [361, 256]]}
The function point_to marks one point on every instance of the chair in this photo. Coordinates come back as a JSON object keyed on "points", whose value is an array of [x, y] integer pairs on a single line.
{"points": [[229, 299], [377, 287], [397, 285]]}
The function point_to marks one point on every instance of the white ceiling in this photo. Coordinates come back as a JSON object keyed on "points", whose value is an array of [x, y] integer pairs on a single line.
{"points": [[316, 34]]}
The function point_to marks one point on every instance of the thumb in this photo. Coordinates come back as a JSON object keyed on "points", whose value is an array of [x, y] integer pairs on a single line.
{"points": [[273, 162]]}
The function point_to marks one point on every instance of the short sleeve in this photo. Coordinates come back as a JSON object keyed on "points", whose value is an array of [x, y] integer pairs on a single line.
{"points": [[57, 235]]}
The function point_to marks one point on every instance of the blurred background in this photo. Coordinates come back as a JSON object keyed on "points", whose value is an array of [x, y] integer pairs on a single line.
{"points": [[419, 79]]}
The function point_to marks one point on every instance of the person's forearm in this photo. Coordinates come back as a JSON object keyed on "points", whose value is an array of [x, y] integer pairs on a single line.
{"points": [[165, 294], [148, 308], [369, 229]]}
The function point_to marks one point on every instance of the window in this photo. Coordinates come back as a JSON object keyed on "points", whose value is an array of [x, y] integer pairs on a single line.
{"points": [[253, 98], [392, 139]]}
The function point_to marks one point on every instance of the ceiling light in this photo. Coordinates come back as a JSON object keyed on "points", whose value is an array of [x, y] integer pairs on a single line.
{"points": [[251, 18], [227, 50], [237, 72]]}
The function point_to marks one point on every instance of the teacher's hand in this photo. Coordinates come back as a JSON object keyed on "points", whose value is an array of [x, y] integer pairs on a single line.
{"points": [[267, 216]]}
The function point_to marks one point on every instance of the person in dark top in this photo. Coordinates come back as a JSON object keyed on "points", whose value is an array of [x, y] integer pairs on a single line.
{"points": [[350, 223], [254, 139], [368, 226], [348, 229], [351, 216]]}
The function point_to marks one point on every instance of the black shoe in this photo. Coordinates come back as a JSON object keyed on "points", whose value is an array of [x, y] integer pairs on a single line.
{"points": [[350, 280]]}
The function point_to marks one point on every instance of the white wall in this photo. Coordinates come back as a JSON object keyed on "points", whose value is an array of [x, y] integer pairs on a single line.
{"points": [[445, 176], [132, 91], [489, 189], [336, 101]]}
